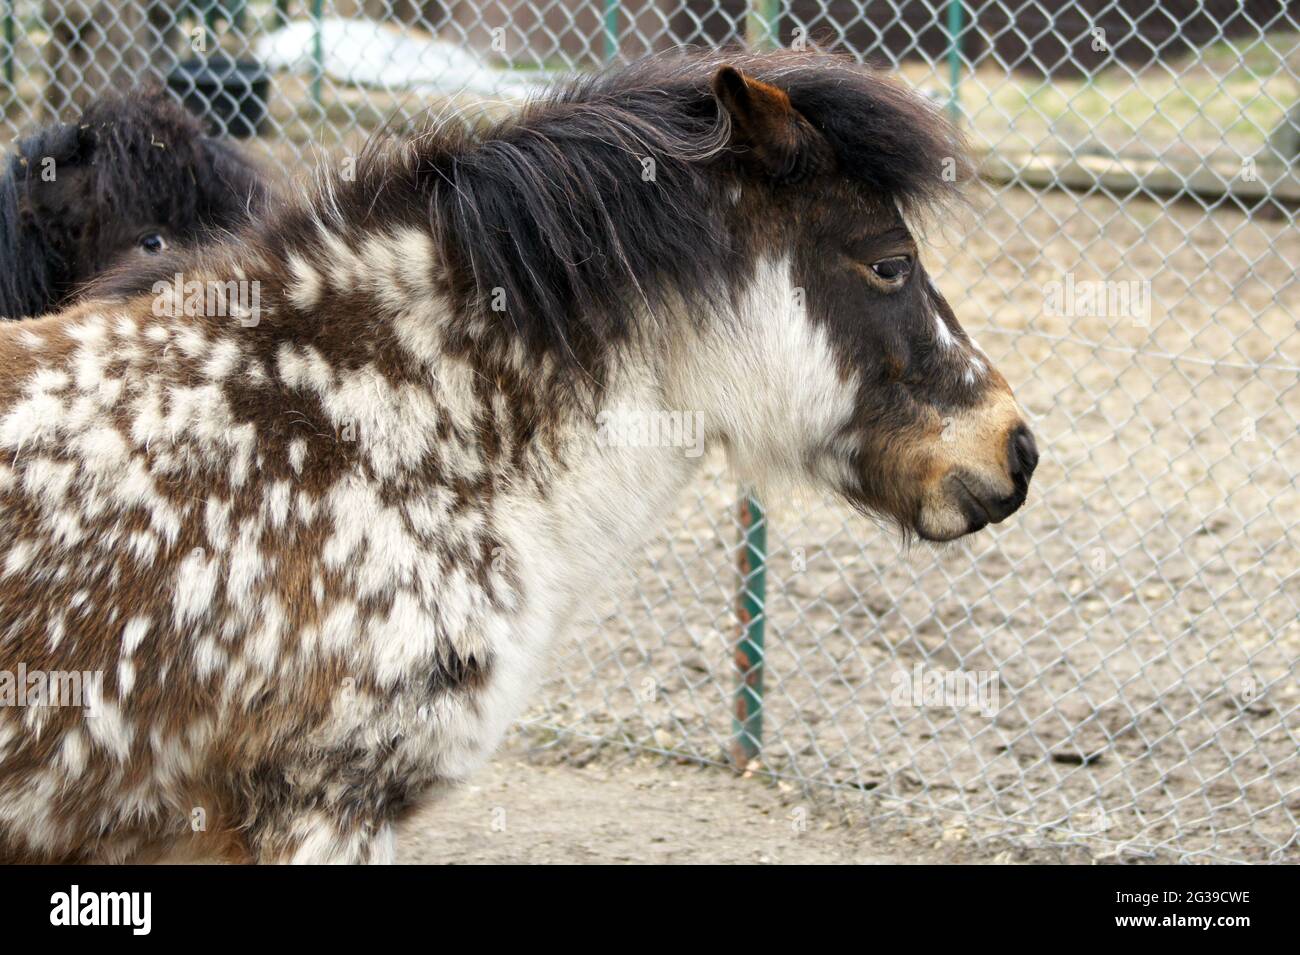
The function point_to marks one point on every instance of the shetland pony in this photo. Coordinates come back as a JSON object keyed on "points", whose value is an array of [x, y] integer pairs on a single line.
{"points": [[317, 553], [132, 176]]}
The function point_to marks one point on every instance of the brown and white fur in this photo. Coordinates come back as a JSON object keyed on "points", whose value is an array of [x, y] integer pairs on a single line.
{"points": [[321, 558]]}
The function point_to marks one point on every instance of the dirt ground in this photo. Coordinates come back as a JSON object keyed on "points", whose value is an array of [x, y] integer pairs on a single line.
{"points": [[641, 811]]}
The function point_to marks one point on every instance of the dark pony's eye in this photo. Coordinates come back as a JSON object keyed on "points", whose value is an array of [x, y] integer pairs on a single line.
{"points": [[894, 268], [153, 243]]}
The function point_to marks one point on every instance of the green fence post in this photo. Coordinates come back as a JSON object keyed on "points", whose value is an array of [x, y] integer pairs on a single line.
{"points": [[762, 31], [317, 53], [750, 609], [763, 24], [956, 16], [611, 30], [9, 46]]}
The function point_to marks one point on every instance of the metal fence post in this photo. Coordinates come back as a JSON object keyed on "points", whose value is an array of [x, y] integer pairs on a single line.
{"points": [[611, 30], [750, 606], [955, 18], [763, 23], [9, 45], [317, 53]]}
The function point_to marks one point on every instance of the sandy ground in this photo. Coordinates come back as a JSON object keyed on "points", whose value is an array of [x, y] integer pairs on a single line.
{"points": [[642, 811], [517, 811]]}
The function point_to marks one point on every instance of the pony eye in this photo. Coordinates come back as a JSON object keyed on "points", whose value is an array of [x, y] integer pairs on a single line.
{"points": [[894, 268], [153, 243]]}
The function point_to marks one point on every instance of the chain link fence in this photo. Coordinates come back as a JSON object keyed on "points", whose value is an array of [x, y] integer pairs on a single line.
{"points": [[1111, 674]]}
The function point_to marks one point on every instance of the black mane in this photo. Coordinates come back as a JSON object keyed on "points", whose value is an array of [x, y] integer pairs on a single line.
{"points": [[550, 206]]}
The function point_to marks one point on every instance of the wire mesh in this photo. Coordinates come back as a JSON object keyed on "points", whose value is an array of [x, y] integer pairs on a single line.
{"points": [[1128, 641]]}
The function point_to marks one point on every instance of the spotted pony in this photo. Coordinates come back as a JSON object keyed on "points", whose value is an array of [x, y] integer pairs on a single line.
{"points": [[320, 552]]}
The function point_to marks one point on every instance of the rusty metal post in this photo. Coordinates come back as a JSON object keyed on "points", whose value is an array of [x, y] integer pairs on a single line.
{"points": [[750, 609]]}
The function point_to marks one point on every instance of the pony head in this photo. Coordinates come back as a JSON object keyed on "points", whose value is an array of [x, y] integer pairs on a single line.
{"points": [[882, 394], [132, 177], [745, 221]]}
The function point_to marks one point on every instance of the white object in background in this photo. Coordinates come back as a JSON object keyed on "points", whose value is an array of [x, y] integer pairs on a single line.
{"points": [[366, 53]]}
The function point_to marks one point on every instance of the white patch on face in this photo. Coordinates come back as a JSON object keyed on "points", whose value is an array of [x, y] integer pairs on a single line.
{"points": [[771, 387]]}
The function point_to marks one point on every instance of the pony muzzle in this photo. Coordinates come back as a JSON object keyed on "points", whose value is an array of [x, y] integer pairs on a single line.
{"points": [[983, 474]]}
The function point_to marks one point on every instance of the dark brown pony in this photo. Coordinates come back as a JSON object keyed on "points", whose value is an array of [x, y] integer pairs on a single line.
{"points": [[134, 175]]}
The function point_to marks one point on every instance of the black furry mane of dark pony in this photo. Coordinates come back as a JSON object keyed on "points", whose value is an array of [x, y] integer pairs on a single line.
{"points": [[147, 159]]}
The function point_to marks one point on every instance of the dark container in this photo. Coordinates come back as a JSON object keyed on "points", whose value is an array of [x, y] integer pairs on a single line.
{"points": [[229, 95]]}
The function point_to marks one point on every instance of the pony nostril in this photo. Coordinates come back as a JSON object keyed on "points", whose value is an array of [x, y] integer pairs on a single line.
{"points": [[1023, 453]]}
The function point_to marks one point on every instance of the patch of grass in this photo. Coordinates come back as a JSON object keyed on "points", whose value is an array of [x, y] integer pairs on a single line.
{"points": [[1231, 95]]}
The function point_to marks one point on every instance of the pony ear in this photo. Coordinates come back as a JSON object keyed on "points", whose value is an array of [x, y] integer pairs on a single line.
{"points": [[768, 133]]}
